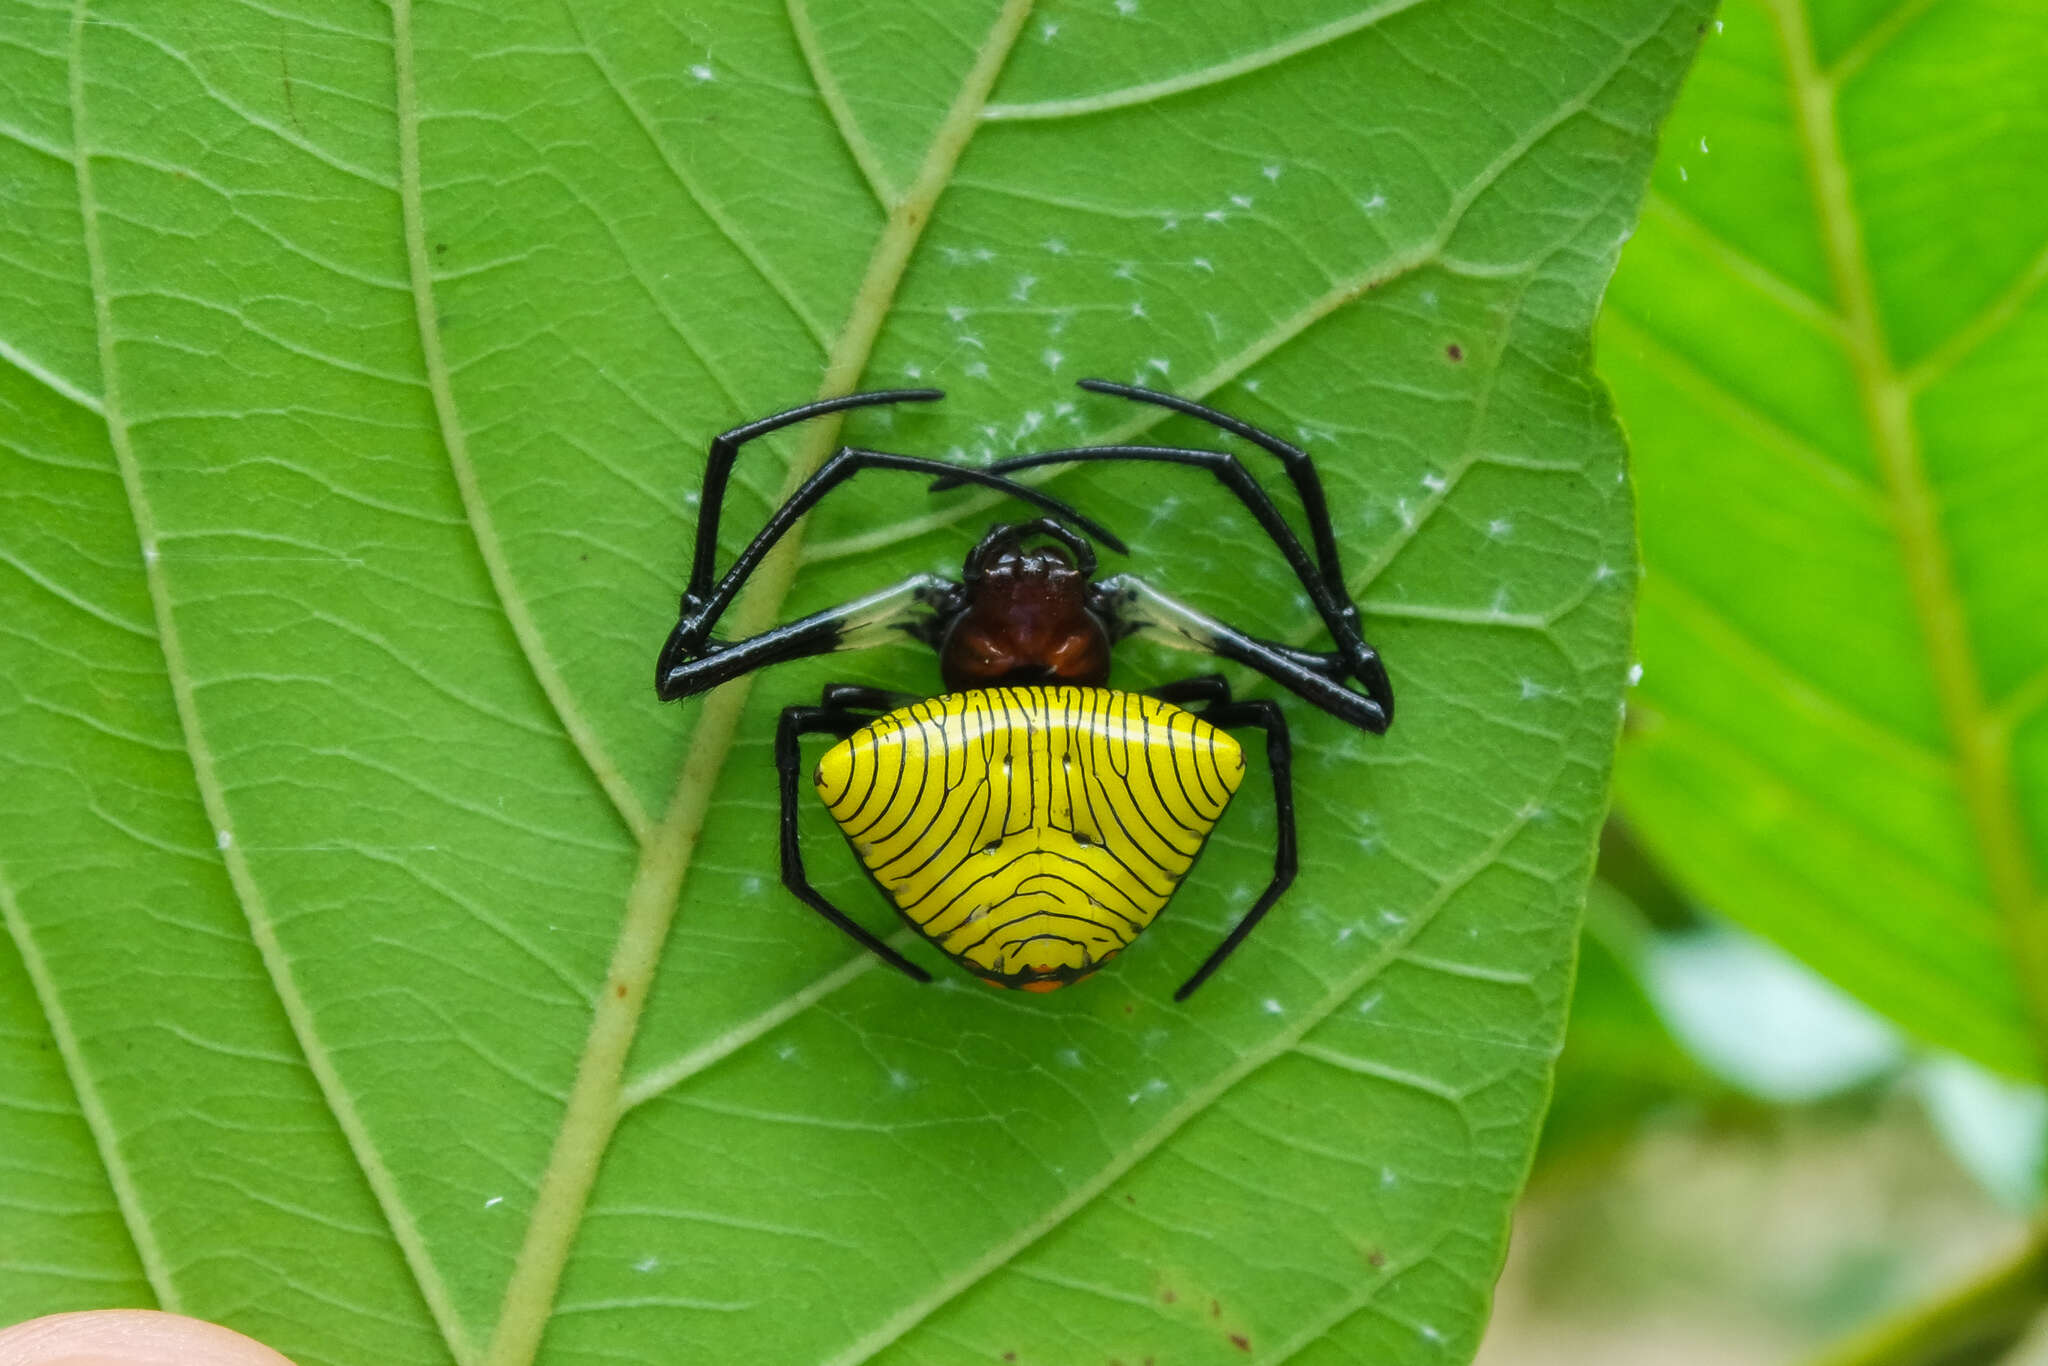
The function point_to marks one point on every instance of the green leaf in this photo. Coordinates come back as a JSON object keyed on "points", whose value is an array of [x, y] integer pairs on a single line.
{"points": [[1620, 1066], [1827, 341], [409, 985]]}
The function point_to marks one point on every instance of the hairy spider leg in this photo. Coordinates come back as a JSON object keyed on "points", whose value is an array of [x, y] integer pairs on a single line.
{"points": [[1130, 604], [912, 608]]}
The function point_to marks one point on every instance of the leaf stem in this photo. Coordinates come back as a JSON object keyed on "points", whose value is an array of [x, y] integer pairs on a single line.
{"points": [[1975, 1321]]}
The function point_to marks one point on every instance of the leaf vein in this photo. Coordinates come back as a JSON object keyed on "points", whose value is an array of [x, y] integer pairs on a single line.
{"points": [[120, 1179], [455, 442], [262, 928], [1308, 41], [829, 91], [727, 229], [1197, 1103]]}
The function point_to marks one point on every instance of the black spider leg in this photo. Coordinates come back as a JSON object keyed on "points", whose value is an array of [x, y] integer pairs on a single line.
{"points": [[1221, 711], [690, 643], [1127, 604], [1300, 467], [1354, 658], [725, 448], [837, 720], [915, 607], [860, 698], [1362, 660]]}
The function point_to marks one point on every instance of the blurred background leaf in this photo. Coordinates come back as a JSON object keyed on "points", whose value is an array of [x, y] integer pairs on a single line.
{"points": [[1827, 342]]}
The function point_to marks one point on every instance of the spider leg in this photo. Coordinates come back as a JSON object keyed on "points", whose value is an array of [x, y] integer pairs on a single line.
{"points": [[1129, 604], [853, 695], [913, 608], [798, 722], [1201, 688], [1340, 616], [1227, 468], [725, 447], [702, 609], [1221, 711], [1300, 466]]}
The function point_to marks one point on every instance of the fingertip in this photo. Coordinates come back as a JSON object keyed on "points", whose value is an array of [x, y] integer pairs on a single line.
{"points": [[130, 1337]]}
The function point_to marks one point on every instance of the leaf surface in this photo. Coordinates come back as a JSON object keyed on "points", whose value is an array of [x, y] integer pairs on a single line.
{"points": [[1826, 341], [391, 978]]}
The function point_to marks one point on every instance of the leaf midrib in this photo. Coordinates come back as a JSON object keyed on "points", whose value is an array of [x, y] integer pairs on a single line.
{"points": [[597, 1100], [1982, 745]]}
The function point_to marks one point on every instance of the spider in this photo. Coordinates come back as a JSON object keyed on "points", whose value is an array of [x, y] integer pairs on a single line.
{"points": [[1031, 820]]}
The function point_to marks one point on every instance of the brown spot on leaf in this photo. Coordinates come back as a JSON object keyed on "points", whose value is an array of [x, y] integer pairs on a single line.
{"points": [[1455, 351], [1241, 1342]]}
